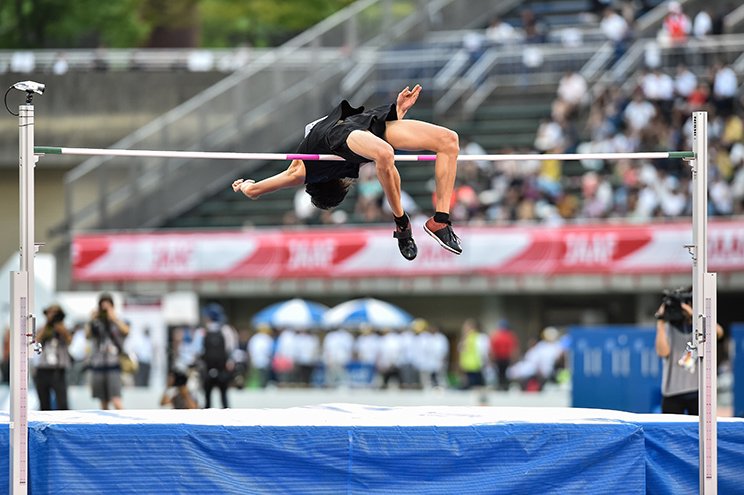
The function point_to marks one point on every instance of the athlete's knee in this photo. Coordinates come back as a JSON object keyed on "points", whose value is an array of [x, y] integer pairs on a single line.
{"points": [[449, 142], [384, 155]]}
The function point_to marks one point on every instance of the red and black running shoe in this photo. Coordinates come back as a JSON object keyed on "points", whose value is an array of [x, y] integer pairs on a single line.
{"points": [[444, 235]]}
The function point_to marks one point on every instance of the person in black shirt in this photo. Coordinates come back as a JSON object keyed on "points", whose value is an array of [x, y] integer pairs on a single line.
{"points": [[360, 136]]}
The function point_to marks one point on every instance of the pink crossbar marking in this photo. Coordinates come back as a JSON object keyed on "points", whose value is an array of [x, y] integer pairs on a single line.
{"points": [[301, 156], [427, 158]]}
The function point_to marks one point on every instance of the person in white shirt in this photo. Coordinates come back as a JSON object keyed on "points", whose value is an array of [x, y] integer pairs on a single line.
{"points": [[638, 113], [432, 351], [572, 90], [338, 350], [616, 30], [614, 26], [702, 25], [685, 81], [367, 349], [501, 32], [60, 65], [672, 199], [260, 350], [283, 359], [306, 353], [390, 357], [409, 373], [539, 362], [725, 86]]}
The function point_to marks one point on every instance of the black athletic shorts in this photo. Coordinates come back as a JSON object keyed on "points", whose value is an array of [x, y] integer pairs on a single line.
{"points": [[330, 138], [373, 120]]}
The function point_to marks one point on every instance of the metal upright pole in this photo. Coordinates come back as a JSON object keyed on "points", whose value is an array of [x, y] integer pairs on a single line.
{"points": [[703, 309], [23, 320]]}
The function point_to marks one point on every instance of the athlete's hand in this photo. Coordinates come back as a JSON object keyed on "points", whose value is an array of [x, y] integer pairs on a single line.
{"points": [[406, 99], [238, 184]]}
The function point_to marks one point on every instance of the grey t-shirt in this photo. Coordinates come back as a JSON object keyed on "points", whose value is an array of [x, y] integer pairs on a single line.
{"points": [[679, 376]]}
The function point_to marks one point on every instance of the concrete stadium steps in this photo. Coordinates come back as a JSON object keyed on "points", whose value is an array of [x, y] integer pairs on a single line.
{"points": [[508, 119], [232, 210]]}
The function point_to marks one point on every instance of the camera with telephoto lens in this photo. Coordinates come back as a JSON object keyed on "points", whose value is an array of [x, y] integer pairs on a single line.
{"points": [[672, 300]]}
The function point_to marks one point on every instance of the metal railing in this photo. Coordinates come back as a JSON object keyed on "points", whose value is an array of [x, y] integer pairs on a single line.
{"points": [[255, 106], [698, 54]]}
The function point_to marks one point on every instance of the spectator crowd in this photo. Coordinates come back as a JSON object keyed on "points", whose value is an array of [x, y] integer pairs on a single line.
{"points": [[649, 111], [419, 356]]}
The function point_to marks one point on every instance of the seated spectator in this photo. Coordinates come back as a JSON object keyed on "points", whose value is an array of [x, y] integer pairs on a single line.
{"points": [[639, 113], [535, 29], [178, 395], [616, 30], [685, 82], [572, 90], [725, 87], [500, 32], [702, 25], [675, 27], [674, 33]]}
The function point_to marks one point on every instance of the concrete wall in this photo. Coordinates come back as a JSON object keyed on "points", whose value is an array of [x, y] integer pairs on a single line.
{"points": [[95, 109], [79, 109]]}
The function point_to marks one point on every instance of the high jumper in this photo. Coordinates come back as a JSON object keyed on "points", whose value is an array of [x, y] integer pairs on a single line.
{"points": [[360, 136]]}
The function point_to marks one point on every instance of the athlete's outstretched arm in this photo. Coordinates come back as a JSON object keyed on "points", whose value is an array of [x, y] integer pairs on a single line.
{"points": [[293, 176]]}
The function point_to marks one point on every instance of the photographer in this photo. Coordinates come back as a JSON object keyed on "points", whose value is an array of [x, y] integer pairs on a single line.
{"points": [[107, 333], [54, 360], [679, 382]]}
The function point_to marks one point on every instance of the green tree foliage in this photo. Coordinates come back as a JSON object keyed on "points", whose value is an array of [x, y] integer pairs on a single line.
{"points": [[261, 22], [129, 23], [71, 23]]}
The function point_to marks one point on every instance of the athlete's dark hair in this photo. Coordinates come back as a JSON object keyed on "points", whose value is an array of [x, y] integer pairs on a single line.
{"points": [[328, 194]]}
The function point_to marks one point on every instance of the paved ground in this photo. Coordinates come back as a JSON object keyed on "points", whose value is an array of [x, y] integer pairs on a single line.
{"points": [[143, 398]]}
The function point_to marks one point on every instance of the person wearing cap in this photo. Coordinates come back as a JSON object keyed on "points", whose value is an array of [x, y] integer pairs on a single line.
{"points": [[106, 332], [54, 360]]}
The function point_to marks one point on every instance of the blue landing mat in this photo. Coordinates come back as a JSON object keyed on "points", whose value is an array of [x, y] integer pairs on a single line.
{"points": [[354, 449]]}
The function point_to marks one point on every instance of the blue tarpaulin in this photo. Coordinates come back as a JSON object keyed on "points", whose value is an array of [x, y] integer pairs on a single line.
{"points": [[354, 449]]}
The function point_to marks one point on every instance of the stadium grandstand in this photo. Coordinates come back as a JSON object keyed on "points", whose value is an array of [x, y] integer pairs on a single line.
{"points": [[501, 96]]}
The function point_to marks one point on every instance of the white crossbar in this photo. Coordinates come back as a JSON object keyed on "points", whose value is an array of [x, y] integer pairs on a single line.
{"points": [[208, 155]]}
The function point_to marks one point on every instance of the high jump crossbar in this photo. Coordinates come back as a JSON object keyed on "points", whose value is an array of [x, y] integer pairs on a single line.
{"points": [[704, 290], [208, 155]]}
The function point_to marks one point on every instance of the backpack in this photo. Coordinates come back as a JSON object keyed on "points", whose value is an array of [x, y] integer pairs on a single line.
{"points": [[215, 354]]}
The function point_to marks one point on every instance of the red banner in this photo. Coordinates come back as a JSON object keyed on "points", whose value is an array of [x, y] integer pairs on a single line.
{"points": [[372, 252]]}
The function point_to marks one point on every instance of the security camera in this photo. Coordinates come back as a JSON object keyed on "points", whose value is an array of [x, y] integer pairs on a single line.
{"points": [[30, 87]]}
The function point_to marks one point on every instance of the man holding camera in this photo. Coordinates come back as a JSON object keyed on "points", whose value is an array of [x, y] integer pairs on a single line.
{"points": [[107, 333], [50, 374], [679, 381]]}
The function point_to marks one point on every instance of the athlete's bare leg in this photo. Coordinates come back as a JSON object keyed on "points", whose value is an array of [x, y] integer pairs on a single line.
{"points": [[415, 135], [366, 144]]}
